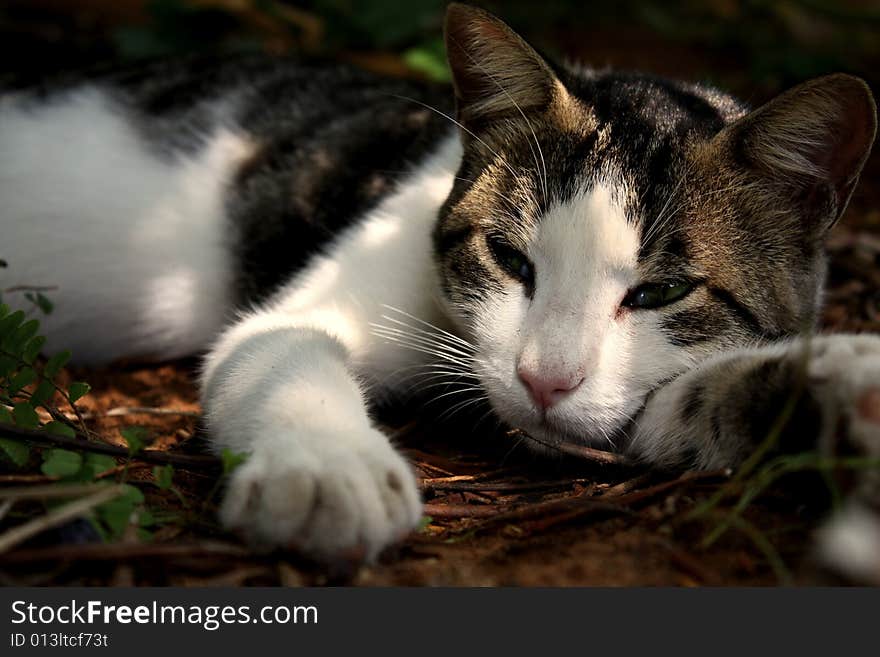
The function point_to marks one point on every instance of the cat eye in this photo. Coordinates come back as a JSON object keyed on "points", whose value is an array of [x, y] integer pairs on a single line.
{"points": [[655, 295], [514, 262]]}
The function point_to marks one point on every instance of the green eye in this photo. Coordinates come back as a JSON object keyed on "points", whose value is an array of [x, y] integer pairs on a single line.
{"points": [[654, 295], [512, 261]]}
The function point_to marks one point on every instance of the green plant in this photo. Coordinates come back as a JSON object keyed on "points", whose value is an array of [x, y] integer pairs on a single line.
{"points": [[29, 389]]}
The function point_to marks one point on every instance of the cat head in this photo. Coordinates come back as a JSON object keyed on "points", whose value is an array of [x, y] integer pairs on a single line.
{"points": [[607, 231]]}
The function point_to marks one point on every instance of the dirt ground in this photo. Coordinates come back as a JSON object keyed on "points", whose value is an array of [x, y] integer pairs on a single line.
{"points": [[495, 514]]}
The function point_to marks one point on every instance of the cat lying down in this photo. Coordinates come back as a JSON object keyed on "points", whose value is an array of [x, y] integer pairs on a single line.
{"points": [[609, 259]]}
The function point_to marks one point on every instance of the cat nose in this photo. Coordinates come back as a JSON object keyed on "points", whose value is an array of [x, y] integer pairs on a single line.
{"points": [[547, 390]]}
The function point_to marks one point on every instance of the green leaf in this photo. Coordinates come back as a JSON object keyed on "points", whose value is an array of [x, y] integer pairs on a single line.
{"points": [[25, 377], [77, 390], [98, 527], [145, 518], [59, 429], [16, 342], [42, 393], [100, 462], [116, 514], [136, 438], [163, 476], [61, 463], [32, 349], [45, 304], [93, 465], [25, 416], [231, 460], [5, 416], [429, 59], [132, 494], [9, 323], [55, 364], [7, 366], [18, 453]]}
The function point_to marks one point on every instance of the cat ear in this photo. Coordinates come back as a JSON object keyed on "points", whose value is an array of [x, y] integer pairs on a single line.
{"points": [[495, 73], [814, 139]]}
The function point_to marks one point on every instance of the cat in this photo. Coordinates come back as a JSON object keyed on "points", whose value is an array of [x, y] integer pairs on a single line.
{"points": [[607, 258]]}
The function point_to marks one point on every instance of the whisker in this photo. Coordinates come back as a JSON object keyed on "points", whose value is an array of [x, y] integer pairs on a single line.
{"points": [[459, 345], [449, 335], [415, 340], [424, 350], [458, 391], [543, 170], [467, 130], [459, 407]]}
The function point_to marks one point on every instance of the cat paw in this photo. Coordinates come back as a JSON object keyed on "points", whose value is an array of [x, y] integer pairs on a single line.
{"points": [[334, 500], [845, 373]]}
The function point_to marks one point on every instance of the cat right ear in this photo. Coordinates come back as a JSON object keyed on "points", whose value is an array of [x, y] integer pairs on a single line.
{"points": [[812, 141], [495, 73]]}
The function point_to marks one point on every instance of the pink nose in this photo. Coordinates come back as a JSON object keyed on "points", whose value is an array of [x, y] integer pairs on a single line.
{"points": [[547, 391]]}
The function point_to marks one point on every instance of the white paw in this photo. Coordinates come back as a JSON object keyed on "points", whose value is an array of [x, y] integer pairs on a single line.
{"points": [[328, 496], [845, 372]]}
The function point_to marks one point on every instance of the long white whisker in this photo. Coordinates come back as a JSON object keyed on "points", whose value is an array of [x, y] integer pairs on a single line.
{"points": [[430, 352], [423, 341], [458, 391], [446, 415], [467, 130], [435, 337], [451, 336], [543, 171], [506, 200]]}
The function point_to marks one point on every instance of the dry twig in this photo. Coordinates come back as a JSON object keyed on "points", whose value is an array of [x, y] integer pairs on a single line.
{"points": [[80, 443], [578, 451], [59, 516], [117, 551]]}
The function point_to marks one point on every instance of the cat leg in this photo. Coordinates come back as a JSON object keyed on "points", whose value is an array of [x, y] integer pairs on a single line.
{"points": [[319, 476], [287, 384], [717, 414]]}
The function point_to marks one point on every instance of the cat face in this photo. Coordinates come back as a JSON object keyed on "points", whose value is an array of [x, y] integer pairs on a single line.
{"points": [[607, 232]]}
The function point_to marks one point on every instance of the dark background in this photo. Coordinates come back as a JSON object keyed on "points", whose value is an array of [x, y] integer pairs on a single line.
{"points": [[753, 46]]}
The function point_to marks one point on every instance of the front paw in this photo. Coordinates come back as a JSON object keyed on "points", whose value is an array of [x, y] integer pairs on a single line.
{"points": [[327, 496], [844, 372]]}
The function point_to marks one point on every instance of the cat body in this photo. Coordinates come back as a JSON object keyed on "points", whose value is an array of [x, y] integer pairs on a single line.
{"points": [[610, 259]]}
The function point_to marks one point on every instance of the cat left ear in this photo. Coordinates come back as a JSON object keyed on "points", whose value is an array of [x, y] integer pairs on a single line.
{"points": [[495, 73], [814, 139]]}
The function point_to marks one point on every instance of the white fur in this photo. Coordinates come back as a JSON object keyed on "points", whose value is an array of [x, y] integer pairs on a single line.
{"points": [[584, 253], [283, 383], [134, 243]]}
